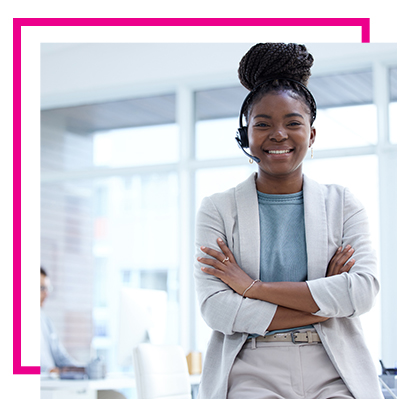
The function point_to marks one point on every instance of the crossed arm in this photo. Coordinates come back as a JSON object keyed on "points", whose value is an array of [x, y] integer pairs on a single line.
{"points": [[294, 300]]}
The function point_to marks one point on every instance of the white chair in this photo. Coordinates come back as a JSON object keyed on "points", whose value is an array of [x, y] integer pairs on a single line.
{"points": [[161, 372]]}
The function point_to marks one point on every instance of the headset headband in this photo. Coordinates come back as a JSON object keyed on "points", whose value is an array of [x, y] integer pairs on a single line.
{"points": [[253, 91]]}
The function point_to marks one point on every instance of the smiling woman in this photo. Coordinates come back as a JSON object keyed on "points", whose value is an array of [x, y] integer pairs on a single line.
{"points": [[279, 135], [286, 265]]}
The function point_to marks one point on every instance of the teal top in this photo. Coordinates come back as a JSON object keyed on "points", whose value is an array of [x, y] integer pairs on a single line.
{"points": [[283, 252]]}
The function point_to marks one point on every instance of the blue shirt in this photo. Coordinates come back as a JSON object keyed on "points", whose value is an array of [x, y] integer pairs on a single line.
{"points": [[52, 352], [283, 251]]}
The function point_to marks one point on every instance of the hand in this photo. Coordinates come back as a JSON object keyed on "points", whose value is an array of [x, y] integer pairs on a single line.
{"points": [[54, 370], [227, 271], [340, 261]]}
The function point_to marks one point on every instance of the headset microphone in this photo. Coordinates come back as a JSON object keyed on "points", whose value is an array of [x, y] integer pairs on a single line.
{"points": [[240, 144], [254, 158]]}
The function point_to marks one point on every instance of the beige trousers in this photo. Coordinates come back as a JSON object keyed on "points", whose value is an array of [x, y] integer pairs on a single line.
{"points": [[285, 371]]}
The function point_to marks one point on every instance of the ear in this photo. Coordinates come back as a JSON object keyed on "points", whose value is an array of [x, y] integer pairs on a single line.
{"points": [[312, 137]]}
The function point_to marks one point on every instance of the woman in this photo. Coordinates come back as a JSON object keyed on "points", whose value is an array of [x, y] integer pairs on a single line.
{"points": [[286, 265]]}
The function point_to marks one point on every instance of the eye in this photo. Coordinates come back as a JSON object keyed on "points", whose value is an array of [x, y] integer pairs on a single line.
{"points": [[261, 125], [294, 123]]}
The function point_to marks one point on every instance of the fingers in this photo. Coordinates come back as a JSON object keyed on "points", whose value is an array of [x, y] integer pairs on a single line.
{"points": [[220, 256], [340, 262], [217, 262], [345, 255], [211, 262], [227, 252], [348, 265], [213, 271], [213, 253]]}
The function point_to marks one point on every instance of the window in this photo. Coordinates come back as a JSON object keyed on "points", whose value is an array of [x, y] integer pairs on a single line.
{"points": [[146, 145], [104, 230], [139, 245], [216, 114], [346, 115], [393, 105], [346, 127]]}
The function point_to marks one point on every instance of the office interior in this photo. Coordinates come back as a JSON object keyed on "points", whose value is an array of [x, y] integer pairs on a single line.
{"points": [[134, 135]]}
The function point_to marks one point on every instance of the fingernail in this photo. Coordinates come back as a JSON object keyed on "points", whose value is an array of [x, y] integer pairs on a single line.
{"points": [[202, 248], [220, 240]]}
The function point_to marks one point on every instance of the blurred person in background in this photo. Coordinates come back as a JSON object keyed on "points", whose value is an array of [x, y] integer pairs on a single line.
{"points": [[53, 355]]}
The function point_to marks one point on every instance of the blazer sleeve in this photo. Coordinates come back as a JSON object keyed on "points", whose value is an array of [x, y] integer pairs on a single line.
{"points": [[222, 308], [352, 293]]}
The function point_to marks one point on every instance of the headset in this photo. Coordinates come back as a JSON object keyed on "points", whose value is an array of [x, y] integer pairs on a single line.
{"points": [[242, 132]]}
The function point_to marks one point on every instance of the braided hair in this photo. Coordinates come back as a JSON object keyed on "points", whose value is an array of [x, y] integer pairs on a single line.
{"points": [[278, 67]]}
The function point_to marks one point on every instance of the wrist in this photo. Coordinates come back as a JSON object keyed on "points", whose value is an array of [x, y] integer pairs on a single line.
{"points": [[251, 291]]}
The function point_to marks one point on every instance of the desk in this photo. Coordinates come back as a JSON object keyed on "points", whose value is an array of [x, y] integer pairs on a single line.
{"points": [[54, 388]]}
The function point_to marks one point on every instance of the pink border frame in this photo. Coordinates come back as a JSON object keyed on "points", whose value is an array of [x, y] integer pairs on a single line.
{"points": [[18, 23]]}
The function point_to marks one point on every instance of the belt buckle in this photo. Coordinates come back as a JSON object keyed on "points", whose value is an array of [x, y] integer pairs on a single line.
{"points": [[292, 335]]}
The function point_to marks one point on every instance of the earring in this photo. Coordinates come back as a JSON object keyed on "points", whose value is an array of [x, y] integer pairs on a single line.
{"points": [[312, 153], [250, 161]]}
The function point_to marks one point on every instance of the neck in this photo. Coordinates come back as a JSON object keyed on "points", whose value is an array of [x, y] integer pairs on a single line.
{"points": [[279, 185]]}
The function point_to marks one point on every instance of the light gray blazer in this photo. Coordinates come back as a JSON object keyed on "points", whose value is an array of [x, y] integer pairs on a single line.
{"points": [[333, 217]]}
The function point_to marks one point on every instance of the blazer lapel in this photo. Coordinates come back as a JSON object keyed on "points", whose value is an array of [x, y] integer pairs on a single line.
{"points": [[315, 218], [249, 226]]}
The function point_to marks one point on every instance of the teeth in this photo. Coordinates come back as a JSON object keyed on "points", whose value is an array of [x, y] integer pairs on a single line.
{"points": [[278, 152]]}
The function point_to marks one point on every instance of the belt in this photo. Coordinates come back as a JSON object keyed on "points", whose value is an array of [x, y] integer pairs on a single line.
{"points": [[293, 336]]}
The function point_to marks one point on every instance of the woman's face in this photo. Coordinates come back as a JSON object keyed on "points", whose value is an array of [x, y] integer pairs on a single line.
{"points": [[279, 134]]}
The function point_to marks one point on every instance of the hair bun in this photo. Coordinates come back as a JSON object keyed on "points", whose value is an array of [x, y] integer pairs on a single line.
{"points": [[266, 61]]}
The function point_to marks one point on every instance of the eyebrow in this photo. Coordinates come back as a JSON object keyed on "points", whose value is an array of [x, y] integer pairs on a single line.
{"points": [[291, 115], [288, 115], [262, 116]]}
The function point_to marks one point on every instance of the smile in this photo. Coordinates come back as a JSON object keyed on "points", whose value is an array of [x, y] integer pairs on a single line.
{"points": [[280, 152]]}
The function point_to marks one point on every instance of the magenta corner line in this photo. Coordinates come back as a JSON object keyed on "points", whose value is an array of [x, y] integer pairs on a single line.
{"points": [[17, 365], [18, 23]]}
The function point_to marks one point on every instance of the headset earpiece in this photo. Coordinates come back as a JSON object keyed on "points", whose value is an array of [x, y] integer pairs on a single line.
{"points": [[242, 137], [242, 140], [242, 134]]}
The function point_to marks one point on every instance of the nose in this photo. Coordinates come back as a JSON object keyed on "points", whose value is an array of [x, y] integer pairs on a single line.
{"points": [[279, 135]]}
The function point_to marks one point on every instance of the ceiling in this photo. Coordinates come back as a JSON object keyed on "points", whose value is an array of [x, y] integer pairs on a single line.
{"points": [[74, 74]]}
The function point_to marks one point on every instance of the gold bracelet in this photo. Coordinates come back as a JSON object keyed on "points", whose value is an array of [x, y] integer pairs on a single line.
{"points": [[257, 280]]}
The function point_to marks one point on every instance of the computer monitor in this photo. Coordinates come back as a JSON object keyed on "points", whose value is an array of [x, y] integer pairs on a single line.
{"points": [[142, 318]]}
